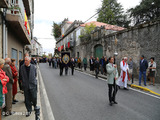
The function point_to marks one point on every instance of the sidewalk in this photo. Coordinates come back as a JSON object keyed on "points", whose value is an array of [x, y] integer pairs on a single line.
{"points": [[20, 109], [149, 88]]}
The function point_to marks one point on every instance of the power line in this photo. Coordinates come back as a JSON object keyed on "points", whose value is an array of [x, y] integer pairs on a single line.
{"points": [[45, 38], [97, 12]]}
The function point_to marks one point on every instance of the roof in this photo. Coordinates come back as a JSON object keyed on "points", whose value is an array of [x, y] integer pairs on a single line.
{"points": [[107, 26], [69, 22]]}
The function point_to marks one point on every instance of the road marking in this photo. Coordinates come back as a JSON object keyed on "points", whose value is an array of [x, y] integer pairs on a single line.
{"points": [[129, 88], [144, 93], [48, 106]]}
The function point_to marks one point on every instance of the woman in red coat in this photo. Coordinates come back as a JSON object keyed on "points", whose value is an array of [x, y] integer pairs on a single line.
{"points": [[15, 74], [4, 80]]}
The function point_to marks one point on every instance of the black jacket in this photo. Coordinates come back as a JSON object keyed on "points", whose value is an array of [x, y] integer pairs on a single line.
{"points": [[143, 65]]}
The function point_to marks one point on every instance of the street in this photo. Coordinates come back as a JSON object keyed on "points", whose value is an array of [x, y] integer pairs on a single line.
{"points": [[82, 97]]}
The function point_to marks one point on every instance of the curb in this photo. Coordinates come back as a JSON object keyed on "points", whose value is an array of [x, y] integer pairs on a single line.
{"points": [[46, 99], [145, 89], [131, 85]]}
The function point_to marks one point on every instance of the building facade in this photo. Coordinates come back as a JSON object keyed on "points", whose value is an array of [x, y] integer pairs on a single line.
{"points": [[36, 47], [17, 28], [70, 40]]}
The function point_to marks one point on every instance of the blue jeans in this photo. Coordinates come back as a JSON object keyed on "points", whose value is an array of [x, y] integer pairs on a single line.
{"points": [[144, 77]]}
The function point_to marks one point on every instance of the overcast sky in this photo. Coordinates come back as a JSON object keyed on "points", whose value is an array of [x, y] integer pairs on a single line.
{"points": [[47, 11]]}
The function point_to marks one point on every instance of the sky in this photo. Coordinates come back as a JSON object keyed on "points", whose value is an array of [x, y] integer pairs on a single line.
{"points": [[47, 11]]}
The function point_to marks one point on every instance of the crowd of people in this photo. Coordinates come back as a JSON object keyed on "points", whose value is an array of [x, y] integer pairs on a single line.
{"points": [[109, 68], [25, 75]]}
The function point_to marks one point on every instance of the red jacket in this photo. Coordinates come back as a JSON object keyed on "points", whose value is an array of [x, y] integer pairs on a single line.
{"points": [[3, 76], [14, 73]]}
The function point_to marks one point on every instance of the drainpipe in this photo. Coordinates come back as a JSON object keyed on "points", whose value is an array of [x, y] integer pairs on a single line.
{"points": [[6, 47], [4, 34]]}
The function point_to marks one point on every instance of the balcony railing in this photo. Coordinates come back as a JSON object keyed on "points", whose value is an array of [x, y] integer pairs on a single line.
{"points": [[17, 8]]}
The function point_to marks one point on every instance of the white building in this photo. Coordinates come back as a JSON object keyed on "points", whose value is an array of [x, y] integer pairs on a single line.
{"points": [[36, 47]]}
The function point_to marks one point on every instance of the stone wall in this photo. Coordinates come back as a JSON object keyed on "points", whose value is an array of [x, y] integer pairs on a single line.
{"points": [[132, 42]]}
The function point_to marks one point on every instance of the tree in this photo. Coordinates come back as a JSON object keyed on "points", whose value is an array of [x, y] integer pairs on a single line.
{"points": [[86, 32], [111, 12], [56, 30], [147, 10]]}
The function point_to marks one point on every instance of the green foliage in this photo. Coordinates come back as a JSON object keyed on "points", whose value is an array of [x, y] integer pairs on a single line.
{"points": [[112, 14], [89, 28], [147, 10], [56, 30], [86, 33]]}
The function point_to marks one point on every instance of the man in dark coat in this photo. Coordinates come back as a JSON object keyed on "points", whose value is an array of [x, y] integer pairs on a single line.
{"points": [[8, 97], [29, 81], [102, 63], [91, 63], [61, 66], [20, 64], [96, 66], [143, 67]]}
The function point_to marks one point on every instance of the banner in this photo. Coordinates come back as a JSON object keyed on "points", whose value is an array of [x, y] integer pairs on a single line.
{"points": [[65, 58]]}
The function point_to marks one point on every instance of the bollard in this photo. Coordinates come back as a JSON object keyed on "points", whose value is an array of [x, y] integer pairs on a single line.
{"points": [[37, 113]]}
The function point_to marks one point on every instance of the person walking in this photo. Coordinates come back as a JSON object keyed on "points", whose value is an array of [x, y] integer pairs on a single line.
{"points": [[15, 74], [112, 76], [55, 63], [66, 68], [130, 64], [152, 69], [124, 77], [91, 64], [29, 81], [52, 62], [76, 62], [104, 65], [142, 71], [101, 64], [85, 63], [49, 61], [96, 66], [3, 88], [8, 97], [61, 66], [79, 62], [72, 65]]}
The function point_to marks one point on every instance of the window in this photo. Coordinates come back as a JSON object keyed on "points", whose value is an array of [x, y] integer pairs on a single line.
{"points": [[20, 55], [14, 55]]}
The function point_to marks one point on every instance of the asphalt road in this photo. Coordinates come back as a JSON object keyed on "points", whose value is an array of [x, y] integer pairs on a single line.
{"points": [[82, 97]]}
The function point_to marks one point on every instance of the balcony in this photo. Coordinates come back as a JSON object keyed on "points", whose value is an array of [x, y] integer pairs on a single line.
{"points": [[15, 17], [3, 4], [27, 7]]}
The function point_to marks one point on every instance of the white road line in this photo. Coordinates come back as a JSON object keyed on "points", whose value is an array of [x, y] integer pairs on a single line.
{"points": [[145, 93], [129, 88], [47, 103]]}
